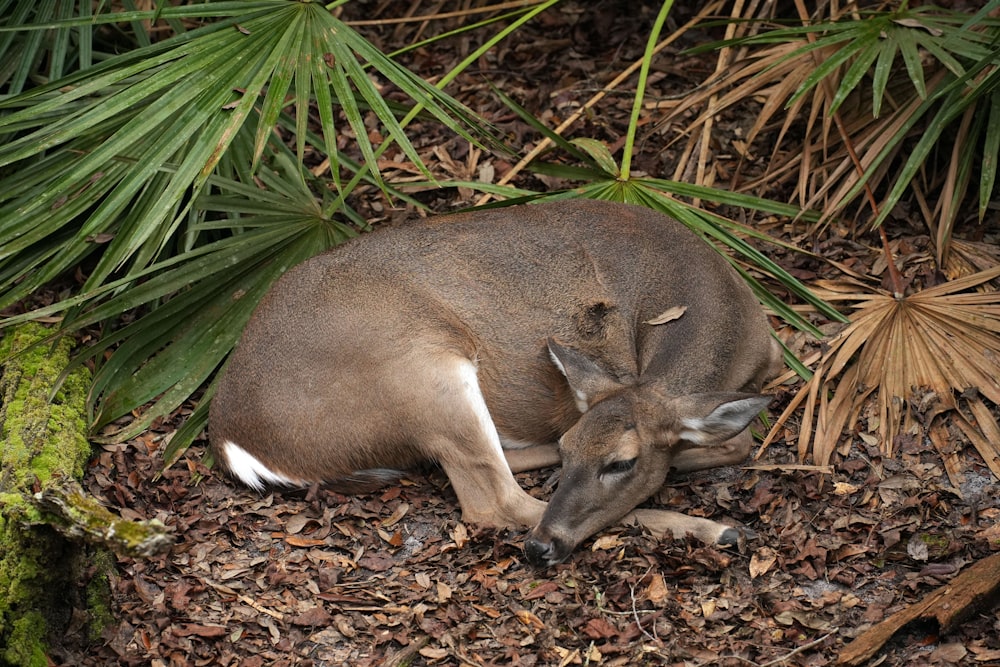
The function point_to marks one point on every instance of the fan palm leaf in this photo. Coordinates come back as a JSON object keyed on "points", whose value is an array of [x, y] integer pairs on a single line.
{"points": [[919, 356], [166, 167]]}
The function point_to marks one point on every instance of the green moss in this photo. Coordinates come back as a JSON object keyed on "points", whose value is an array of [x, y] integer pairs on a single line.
{"points": [[42, 439], [26, 642], [28, 570], [99, 611], [934, 541]]}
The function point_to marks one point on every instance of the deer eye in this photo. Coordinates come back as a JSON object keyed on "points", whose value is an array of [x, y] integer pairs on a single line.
{"points": [[619, 467]]}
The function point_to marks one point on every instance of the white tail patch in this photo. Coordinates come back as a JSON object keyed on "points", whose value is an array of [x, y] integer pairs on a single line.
{"points": [[248, 469]]}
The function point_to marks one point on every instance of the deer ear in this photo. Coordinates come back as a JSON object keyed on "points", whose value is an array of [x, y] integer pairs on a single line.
{"points": [[585, 376], [707, 419]]}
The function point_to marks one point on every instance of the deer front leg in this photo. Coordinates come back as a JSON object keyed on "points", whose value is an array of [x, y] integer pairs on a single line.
{"points": [[487, 491], [467, 446], [677, 525], [664, 522]]}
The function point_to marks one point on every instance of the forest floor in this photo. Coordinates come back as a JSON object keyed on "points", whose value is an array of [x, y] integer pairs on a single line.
{"points": [[395, 578]]}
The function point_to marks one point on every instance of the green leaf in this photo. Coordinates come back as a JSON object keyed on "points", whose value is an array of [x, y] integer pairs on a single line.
{"points": [[991, 151], [880, 77], [600, 153], [867, 48], [640, 89], [826, 68], [942, 55], [287, 51], [911, 58], [948, 101], [557, 139]]}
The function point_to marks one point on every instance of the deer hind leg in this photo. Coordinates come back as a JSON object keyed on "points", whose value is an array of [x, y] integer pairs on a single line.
{"points": [[732, 451], [533, 457], [666, 523], [467, 446]]}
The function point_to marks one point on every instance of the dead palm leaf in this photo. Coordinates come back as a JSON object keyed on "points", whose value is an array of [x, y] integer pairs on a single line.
{"points": [[968, 257], [919, 356]]}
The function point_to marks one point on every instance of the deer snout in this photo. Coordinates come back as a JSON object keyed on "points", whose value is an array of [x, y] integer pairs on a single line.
{"points": [[543, 550]]}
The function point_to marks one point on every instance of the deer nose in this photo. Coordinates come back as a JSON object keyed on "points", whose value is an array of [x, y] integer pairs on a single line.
{"points": [[543, 553]]}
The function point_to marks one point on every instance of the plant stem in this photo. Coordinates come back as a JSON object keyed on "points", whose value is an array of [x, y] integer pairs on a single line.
{"points": [[640, 88]]}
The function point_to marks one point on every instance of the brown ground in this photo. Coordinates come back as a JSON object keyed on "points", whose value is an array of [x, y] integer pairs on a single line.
{"points": [[395, 578]]}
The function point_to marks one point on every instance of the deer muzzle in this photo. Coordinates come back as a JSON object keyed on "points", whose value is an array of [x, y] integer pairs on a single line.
{"points": [[544, 550]]}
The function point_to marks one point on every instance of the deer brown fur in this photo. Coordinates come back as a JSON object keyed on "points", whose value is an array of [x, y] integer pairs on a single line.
{"points": [[479, 341]]}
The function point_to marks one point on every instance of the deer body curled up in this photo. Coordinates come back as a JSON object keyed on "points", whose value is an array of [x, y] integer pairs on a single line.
{"points": [[604, 337]]}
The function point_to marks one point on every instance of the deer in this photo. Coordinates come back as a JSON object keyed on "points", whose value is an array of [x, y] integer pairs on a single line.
{"points": [[604, 338]]}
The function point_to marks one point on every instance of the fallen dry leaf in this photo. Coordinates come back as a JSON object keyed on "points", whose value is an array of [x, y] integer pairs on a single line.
{"points": [[657, 591], [606, 543], [528, 618], [762, 561], [316, 616], [460, 535], [844, 489], [189, 629], [669, 315]]}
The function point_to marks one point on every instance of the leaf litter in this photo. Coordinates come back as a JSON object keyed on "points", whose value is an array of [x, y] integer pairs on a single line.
{"points": [[309, 578]]}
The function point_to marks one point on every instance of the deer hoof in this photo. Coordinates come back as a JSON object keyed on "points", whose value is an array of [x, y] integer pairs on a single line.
{"points": [[733, 536]]}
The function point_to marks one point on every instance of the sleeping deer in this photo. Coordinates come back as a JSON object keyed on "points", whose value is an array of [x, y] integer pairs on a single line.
{"points": [[604, 337]]}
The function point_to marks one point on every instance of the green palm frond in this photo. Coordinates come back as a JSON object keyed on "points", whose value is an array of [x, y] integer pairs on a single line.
{"points": [[127, 140], [192, 306], [881, 38], [63, 49], [175, 170]]}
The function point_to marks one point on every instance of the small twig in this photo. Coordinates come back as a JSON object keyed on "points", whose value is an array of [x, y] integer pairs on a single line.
{"points": [[635, 612], [405, 655], [250, 602], [609, 612], [776, 661], [277, 615], [804, 647]]}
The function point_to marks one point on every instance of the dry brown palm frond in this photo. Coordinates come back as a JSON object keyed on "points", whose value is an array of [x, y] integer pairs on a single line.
{"points": [[920, 356], [824, 175], [968, 257]]}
